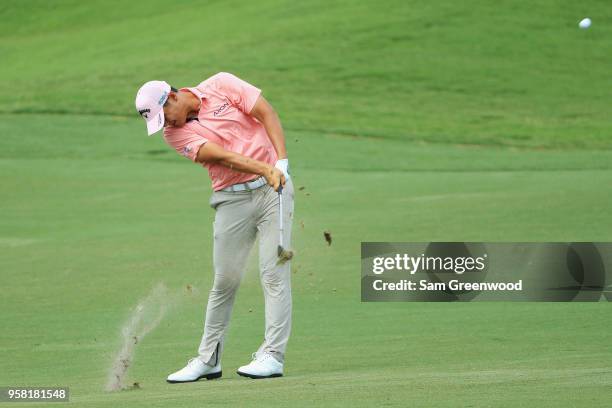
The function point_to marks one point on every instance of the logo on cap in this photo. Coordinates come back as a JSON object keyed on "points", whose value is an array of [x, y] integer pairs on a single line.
{"points": [[162, 99], [144, 113]]}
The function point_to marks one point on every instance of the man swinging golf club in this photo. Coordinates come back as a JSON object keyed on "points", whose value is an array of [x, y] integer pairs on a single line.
{"points": [[227, 126]]}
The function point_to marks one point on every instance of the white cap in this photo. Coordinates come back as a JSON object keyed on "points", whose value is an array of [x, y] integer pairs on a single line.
{"points": [[150, 101]]}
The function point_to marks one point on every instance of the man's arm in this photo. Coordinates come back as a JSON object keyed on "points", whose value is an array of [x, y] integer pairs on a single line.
{"points": [[211, 152], [265, 113], [248, 99]]}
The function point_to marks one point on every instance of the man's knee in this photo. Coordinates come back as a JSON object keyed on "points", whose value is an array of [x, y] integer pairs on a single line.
{"points": [[274, 281], [226, 283]]}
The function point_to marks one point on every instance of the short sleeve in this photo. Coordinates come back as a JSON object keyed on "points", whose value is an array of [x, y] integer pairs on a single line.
{"points": [[186, 143], [242, 94]]}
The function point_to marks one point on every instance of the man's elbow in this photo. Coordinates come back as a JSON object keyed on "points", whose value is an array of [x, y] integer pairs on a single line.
{"points": [[269, 112], [263, 110]]}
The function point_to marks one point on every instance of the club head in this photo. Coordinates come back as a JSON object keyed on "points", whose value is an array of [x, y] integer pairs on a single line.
{"points": [[283, 255]]}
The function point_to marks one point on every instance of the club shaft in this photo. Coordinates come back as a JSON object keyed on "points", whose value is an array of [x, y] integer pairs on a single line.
{"points": [[280, 218]]}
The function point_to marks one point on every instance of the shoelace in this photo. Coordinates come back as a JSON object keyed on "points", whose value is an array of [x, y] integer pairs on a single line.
{"points": [[261, 357], [191, 360]]}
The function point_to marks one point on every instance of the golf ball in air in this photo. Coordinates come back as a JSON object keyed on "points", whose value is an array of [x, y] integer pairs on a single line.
{"points": [[585, 23]]}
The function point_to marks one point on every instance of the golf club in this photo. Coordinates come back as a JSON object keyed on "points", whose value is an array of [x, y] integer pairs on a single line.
{"points": [[283, 254]]}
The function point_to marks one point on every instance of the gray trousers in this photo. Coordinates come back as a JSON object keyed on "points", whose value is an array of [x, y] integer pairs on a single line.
{"points": [[240, 217]]}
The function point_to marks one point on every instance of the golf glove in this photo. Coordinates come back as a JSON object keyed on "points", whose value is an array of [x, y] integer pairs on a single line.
{"points": [[283, 165]]}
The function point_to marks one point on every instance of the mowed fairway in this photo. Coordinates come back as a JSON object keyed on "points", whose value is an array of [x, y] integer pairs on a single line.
{"points": [[394, 136]]}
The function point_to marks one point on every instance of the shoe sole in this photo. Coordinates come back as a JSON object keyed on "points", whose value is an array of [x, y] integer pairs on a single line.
{"points": [[258, 377], [212, 376]]}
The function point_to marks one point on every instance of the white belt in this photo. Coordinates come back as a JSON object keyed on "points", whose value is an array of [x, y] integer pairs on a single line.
{"points": [[249, 185]]}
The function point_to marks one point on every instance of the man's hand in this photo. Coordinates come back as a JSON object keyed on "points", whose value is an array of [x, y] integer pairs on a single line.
{"points": [[274, 177], [283, 165]]}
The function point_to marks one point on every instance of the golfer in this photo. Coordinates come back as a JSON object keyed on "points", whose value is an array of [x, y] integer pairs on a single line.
{"points": [[227, 126]]}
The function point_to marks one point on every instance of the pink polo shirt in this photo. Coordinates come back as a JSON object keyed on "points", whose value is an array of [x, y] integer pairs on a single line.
{"points": [[226, 102]]}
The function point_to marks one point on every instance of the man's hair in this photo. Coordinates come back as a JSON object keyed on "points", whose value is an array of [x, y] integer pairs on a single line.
{"points": [[172, 89]]}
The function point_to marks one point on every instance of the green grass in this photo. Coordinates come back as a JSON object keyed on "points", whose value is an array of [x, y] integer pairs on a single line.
{"points": [[504, 73], [407, 121]]}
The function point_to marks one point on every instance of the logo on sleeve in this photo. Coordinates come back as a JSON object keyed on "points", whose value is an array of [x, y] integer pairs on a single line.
{"points": [[187, 150]]}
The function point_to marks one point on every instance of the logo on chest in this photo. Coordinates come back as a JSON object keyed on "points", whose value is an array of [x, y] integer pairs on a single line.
{"points": [[220, 109]]}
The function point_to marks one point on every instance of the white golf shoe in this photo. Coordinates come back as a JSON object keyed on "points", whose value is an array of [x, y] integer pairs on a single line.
{"points": [[262, 366], [194, 370]]}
